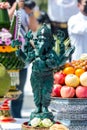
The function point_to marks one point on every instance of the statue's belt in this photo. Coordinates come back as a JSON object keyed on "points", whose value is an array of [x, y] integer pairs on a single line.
{"points": [[59, 24]]}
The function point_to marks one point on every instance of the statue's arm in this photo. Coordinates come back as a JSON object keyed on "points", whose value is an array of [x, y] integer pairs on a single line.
{"points": [[20, 54], [68, 53], [26, 58], [30, 56], [52, 60]]}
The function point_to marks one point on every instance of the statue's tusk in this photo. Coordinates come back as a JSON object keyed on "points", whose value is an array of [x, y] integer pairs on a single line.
{"points": [[32, 44]]}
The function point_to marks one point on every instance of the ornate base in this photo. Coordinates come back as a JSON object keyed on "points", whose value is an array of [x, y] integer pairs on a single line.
{"points": [[1, 100], [13, 95], [7, 119], [5, 115], [25, 126]]}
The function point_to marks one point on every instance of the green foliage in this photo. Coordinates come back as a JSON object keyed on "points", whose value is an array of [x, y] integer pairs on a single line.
{"points": [[13, 23], [2, 0], [12, 27], [42, 4], [7, 60], [4, 19]]}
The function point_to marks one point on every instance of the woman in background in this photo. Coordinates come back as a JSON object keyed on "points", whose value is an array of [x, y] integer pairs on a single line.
{"points": [[28, 21]]}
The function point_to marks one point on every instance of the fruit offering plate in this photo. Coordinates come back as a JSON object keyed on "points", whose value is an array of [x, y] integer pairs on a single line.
{"points": [[25, 126], [70, 111]]}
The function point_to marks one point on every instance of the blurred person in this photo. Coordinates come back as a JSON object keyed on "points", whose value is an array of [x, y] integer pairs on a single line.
{"points": [[24, 16], [77, 29], [59, 11], [12, 8], [43, 18], [16, 105], [29, 6]]}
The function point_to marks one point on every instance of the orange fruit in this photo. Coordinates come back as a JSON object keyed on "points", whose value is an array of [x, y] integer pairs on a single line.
{"points": [[69, 70], [79, 71], [68, 64]]}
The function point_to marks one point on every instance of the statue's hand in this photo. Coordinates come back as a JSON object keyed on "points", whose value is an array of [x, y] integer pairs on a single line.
{"points": [[52, 60], [29, 35], [18, 52], [16, 43], [69, 51]]}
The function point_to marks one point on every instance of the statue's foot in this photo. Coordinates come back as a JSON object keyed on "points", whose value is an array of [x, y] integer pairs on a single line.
{"points": [[37, 110], [45, 109]]}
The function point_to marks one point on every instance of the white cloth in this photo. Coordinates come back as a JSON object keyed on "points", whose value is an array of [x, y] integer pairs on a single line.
{"points": [[77, 29], [61, 10], [17, 125]]}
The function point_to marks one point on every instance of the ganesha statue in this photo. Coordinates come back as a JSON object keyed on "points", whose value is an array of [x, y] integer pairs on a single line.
{"points": [[39, 51]]}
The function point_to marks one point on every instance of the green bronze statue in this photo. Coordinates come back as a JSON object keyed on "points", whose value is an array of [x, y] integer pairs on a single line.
{"points": [[44, 61]]}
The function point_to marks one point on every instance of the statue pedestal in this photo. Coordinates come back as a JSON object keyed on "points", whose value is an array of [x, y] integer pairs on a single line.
{"points": [[70, 111]]}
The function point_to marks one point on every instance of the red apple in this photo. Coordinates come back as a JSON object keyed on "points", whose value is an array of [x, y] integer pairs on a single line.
{"points": [[59, 78], [67, 92], [56, 90], [81, 92]]}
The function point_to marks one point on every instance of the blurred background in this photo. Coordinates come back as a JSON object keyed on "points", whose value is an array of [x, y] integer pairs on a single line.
{"points": [[42, 4]]}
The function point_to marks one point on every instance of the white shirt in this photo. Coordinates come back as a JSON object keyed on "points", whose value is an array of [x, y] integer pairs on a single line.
{"points": [[61, 10], [24, 22], [77, 29], [24, 27]]}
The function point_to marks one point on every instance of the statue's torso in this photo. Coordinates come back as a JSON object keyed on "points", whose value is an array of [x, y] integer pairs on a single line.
{"points": [[40, 66]]}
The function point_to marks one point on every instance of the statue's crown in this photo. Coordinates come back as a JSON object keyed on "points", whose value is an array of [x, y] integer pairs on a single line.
{"points": [[44, 31]]}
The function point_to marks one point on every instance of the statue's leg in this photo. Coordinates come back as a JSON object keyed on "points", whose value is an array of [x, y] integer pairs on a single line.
{"points": [[36, 88], [46, 92]]}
